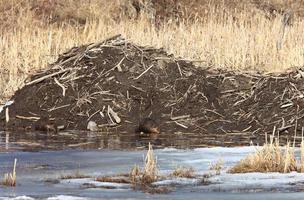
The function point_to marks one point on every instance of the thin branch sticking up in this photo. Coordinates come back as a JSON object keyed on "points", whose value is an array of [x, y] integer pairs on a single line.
{"points": [[143, 72], [6, 115], [38, 80], [60, 85], [116, 66], [113, 114]]}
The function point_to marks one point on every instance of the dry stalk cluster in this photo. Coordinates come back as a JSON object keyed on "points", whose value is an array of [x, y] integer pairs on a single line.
{"points": [[150, 172], [217, 166], [10, 179], [183, 172], [271, 157]]}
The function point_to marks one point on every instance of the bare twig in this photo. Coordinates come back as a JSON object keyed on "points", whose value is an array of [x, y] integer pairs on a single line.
{"points": [[7, 115], [180, 117], [27, 118], [47, 76], [144, 72], [60, 85], [113, 114]]}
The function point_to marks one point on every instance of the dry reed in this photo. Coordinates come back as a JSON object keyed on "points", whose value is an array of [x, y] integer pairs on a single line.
{"points": [[271, 157], [10, 179], [150, 171], [217, 166], [183, 172], [302, 156], [135, 175]]}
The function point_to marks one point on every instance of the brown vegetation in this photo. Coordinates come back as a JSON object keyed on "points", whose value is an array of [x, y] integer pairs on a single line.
{"points": [[150, 172], [183, 172], [217, 166], [10, 179], [76, 175], [270, 158], [259, 35], [113, 179]]}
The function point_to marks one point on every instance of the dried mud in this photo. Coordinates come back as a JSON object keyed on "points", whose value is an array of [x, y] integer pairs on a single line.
{"points": [[221, 107]]}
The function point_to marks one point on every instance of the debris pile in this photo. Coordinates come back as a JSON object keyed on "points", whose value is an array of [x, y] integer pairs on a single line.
{"points": [[113, 85]]}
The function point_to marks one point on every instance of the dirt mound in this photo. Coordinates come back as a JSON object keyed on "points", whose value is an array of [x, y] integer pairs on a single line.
{"points": [[116, 84]]}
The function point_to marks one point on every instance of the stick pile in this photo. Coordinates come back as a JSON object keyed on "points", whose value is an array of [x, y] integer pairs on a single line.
{"points": [[116, 84]]}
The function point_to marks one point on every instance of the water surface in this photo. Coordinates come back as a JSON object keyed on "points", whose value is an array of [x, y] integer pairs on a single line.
{"points": [[45, 158]]}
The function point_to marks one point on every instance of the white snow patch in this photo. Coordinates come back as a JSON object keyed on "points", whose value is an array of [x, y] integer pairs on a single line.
{"points": [[93, 183], [177, 181], [16, 198], [64, 197]]}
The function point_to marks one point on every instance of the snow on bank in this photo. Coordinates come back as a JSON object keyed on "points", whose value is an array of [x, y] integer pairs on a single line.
{"points": [[92, 183], [60, 197]]}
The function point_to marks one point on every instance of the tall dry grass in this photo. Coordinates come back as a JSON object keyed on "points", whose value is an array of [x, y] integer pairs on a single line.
{"points": [[271, 157], [33, 36], [10, 179]]}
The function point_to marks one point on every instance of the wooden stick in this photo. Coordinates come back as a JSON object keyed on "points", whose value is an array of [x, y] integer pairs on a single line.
{"points": [[180, 117], [47, 76], [179, 69], [143, 72], [182, 125], [93, 115], [60, 85], [116, 66], [114, 115], [59, 107], [6, 115], [27, 118]]}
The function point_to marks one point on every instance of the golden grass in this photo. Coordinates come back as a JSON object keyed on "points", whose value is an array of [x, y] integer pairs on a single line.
{"points": [[150, 172], [135, 174], [10, 179], [35, 32], [302, 156], [183, 172], [217, 166], [271, 157]]}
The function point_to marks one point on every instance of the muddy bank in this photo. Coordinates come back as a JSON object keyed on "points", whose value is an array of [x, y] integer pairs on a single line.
{"points": [[116, 84]]}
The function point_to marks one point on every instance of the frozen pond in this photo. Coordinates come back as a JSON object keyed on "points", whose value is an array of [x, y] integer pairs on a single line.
{"points": [[34, 169]]}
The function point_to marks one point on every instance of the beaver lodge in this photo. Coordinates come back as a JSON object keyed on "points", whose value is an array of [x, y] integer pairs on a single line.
{"points": [[114, 85]]}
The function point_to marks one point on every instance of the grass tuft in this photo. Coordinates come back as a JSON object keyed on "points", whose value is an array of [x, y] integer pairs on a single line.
{"points": [[183, 172], [217, 166], [271, 157], [150, 171], [302, 156], [10, 179], [135, 174]]}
